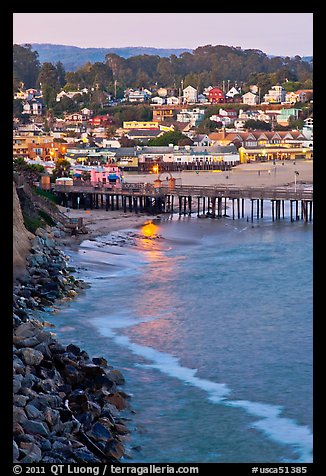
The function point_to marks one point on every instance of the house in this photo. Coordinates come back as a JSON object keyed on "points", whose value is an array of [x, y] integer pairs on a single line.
{"points": [[158, 100], [250, 98], [172, 100], [308, 128], [143, 134], [216, 95], [140, 125], [231, 113], [167, 92], [86, 112], [161, 113], [100, 120], [69, 94], [291, 97], [33, 107], [201, 140], [224, 120], [232, 95], [304, 95], [275, 95], [193, 116], [257, 138], [190, 95], [202, 99], [286, 114], [75, 117], [137, 95]]}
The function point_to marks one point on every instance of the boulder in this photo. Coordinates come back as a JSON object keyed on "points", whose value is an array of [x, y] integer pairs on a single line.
{"points": [[31, 356], [35, 427]]}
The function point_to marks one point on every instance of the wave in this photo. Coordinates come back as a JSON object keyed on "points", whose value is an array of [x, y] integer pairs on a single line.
{"points": [[280, 429]]}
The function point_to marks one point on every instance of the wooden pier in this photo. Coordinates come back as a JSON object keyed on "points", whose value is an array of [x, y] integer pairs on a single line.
{"points": [[186, 200]]}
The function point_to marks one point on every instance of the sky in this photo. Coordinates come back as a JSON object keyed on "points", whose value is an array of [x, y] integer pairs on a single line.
{"points": [[284, 34]]}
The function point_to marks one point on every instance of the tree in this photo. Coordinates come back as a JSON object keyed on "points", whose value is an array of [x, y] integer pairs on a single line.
{"points": [[17, 107], [26, 65], [206, 126], [61, 169], [296, 123], [49, 76], [61, 73], [170, 137], [257, 125]]}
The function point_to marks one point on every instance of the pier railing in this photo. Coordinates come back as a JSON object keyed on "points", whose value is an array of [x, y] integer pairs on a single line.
{"points": [[266, 193]]}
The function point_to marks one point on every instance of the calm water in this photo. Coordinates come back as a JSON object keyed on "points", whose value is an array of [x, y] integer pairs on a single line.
{"points": [[211, 324]]}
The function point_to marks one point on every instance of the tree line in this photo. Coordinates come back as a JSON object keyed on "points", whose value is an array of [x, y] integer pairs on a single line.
{"points": [[206, 65]]}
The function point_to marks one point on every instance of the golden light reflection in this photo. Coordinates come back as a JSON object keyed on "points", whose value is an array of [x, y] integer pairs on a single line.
{"points": [[149, 229], [158, 298]]}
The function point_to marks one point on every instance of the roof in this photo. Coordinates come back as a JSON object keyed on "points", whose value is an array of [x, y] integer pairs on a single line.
{"points": [[256, 135], [144, 132]]}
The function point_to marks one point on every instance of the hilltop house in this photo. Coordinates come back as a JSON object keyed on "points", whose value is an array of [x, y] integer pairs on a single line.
{"points": [[190, 95], [275, 95], [216, 95], [250, 98]]}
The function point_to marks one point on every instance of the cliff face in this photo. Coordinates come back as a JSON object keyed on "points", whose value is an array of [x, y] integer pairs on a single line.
{"points": [[21, 237]]}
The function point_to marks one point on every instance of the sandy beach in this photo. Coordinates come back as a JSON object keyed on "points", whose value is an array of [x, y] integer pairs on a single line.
{"points": [[254, 174], [102, 222]]}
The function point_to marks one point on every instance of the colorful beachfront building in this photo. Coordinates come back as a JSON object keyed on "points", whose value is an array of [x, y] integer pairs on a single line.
{"points": [[109, 173], [271, 153]]}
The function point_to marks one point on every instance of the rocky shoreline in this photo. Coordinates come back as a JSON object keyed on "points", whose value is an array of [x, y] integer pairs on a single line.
{"points": [[67, 406]]}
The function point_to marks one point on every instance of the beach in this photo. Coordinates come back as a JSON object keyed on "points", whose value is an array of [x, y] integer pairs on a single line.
{"points": [[254, 174]]}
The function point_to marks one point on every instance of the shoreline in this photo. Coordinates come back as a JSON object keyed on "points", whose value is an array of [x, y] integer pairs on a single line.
{"points": [[101, 222], [66, 404]]}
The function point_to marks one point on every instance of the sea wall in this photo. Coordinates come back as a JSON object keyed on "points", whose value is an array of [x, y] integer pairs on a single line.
{"points": [[67, 406]]}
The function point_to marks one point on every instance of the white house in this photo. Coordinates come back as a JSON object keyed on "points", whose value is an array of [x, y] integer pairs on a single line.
{"points": [[158, 100], [190, 95], [233, 92], [137, 95], [250, 98], [225, 120], [308, 128], [275, 95], [173, 100], [193, 116]]}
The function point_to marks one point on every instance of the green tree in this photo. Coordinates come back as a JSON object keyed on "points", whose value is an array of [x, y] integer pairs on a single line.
{"points": [[251, 124], [61, 169], [206, 126], [49, 76], [26, 65], [61, 73], [170, 137]]}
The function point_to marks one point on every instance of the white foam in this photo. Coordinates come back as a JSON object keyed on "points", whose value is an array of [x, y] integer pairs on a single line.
{"points": [[280, 429]]}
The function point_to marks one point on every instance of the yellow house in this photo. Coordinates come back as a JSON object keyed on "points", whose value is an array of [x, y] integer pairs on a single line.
{"points": [[140, 125]]}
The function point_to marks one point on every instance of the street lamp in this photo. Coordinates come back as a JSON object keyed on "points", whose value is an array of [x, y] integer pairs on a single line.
{"points": [[295, 180]]}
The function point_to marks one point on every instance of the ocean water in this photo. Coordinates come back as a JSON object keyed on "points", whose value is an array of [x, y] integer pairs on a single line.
{"points": [[210, 322]]}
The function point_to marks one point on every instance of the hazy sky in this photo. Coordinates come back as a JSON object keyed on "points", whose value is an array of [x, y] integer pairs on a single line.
{"points": [[273, 33]]}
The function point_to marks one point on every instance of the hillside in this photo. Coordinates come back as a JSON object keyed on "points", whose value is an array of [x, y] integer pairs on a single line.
{"points": [[73, 57]]}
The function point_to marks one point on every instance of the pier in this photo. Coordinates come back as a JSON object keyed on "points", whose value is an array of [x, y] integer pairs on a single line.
{"points": [[187, 200]]}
